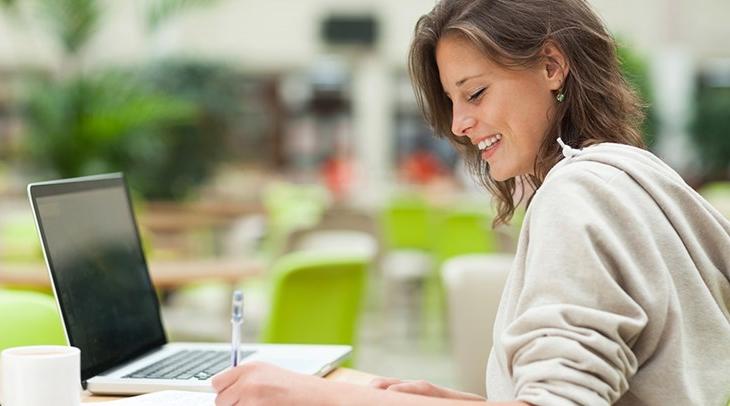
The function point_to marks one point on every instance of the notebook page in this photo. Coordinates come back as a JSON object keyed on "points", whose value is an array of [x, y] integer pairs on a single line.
{"points": [[164, 398]]}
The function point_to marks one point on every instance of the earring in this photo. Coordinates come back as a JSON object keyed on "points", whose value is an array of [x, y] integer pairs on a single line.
{"points": [[560, 96]]}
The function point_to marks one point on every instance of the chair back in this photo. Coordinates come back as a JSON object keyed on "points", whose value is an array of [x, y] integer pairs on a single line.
{"points": [[473, 285], [405, 224], [316, 298], [462, 231], [29, 318]]}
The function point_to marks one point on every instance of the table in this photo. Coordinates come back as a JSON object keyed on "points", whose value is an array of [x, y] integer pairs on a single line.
{"points": [[164, 274], [339, 374]]}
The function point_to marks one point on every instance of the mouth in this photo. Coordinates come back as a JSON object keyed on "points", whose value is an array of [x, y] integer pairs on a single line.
{"points": [[488, 145]]}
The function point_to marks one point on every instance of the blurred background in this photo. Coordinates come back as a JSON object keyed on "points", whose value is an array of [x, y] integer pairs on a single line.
{"points": [[250, 132]]}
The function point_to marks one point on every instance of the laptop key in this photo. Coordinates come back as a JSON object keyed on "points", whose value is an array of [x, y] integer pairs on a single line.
{"points": [[185, 365]]}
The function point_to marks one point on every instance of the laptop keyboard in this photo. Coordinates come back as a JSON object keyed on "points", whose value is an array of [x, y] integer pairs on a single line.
{"points": [[186, 364]]}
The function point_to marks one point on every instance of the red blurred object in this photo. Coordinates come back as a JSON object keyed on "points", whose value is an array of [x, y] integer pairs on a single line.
{"points": [[421, 167]]}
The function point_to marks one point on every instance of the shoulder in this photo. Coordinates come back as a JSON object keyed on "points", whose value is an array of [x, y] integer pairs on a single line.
{"points": [[588, 194], [575, 184]]}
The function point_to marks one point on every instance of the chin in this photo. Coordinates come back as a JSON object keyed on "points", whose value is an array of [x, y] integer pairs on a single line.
{"points": [[500, 176]]}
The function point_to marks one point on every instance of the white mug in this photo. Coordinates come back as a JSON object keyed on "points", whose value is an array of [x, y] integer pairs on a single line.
{"points": [[40, 375]]}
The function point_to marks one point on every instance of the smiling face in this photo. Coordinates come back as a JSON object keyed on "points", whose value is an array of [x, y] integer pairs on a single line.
{"points": [[503, 112]]}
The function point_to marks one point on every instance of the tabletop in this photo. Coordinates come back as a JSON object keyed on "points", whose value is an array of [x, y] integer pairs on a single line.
{"points": [[340, 375]]}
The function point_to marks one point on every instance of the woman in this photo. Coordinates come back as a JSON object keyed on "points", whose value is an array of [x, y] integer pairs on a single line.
{"points": [[619, 292]]}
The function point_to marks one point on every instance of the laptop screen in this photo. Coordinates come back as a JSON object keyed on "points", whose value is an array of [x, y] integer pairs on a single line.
{"points": [[109, 306]]}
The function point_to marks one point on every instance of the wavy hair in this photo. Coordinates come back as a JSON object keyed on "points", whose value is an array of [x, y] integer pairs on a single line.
{"points": [[599, 104]]}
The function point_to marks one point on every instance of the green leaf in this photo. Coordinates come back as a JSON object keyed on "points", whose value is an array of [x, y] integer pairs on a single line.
{"points": [[72, 21], [76, 127], [161, 10]]}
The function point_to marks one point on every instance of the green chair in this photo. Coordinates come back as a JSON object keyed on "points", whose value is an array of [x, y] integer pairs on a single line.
{"points": [[29, 318], [405, 223], [316, 298], [462, 231], [456, 231]]}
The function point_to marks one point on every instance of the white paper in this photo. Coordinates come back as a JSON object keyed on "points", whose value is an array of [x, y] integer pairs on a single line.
{"points": [[164, 398]]}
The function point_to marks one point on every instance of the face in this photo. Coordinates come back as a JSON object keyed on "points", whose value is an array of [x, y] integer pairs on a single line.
{"points": [[505, 113]]}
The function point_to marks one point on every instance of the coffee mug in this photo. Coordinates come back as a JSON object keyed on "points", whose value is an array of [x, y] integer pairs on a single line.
{"points": [[40, 375]]}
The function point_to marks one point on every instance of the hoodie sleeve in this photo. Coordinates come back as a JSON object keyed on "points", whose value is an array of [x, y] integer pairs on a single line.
{"points": [[571, 336]]}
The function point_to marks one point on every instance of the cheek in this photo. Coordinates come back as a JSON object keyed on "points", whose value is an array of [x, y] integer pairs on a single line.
{"points": [[534, 122]]}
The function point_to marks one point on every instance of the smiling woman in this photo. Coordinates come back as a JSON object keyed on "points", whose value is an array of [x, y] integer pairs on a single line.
{"points": [[503, 112], [620, 286], [566, 55]]}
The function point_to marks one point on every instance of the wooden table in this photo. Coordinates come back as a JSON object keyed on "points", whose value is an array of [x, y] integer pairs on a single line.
{"points": [[339, 374], [164, 274]]}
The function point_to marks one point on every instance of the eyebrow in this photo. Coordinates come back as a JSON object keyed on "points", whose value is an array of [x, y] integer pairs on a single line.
{"points": [[461, 82]]}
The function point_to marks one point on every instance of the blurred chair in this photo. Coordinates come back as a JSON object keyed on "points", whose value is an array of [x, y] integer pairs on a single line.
{"points": [[29, 318], [406, 261], [316, 298], [473, 285], [458, 230], [461, 231], [405, 223]]}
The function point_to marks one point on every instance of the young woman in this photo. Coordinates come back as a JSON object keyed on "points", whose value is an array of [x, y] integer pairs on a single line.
{"points": [[620, 289]]}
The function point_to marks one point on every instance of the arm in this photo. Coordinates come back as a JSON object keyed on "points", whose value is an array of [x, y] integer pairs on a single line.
{"points": [[264, 384], [575, 308]]}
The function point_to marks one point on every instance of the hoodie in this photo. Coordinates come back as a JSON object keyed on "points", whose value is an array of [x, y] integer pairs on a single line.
{"points": [[619, 292]]}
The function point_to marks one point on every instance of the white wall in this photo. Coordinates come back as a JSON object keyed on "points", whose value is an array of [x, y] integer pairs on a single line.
{"points": [[284, 33]]}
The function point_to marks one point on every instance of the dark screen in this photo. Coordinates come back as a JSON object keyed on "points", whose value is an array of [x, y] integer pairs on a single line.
{"points": [[100, 275]]}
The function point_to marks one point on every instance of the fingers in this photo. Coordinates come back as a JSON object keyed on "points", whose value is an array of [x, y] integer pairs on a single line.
{"points": [[229, 397], [415, 387], [226, 378], [384, 383]]}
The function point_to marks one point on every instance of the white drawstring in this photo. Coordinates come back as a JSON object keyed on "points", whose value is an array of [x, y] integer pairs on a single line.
{"points": [[568, 151]]}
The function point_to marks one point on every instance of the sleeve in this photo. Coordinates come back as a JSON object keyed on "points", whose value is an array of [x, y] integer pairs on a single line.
{"points": [[571, 335]]}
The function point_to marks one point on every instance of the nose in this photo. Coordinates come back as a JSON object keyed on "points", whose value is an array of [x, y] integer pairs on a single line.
{"points": [[462, 123]]}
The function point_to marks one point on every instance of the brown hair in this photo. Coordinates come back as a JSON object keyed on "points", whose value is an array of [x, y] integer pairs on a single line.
{"points": [[599, 105]]}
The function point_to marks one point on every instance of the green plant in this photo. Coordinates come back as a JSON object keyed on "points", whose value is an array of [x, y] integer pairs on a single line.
{"points": [[167, 162], [163, 125], [636, 72], [710, 130], [76, 127]]}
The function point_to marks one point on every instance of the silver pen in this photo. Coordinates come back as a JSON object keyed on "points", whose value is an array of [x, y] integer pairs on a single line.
{"points": [[236, 322]]}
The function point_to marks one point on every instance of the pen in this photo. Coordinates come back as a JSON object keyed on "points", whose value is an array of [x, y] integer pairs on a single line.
{"points": [[236, 322]]}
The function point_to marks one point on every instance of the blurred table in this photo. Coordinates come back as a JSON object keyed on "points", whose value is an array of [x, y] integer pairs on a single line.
{"points": [[164, 274], [176, 217], [339, 375]]}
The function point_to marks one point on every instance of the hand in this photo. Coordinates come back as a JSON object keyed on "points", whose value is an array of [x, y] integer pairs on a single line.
{"points": [[261, 384], [422, 388]]}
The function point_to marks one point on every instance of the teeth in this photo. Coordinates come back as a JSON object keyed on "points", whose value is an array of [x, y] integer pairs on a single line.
{"points": [[486, 143]]}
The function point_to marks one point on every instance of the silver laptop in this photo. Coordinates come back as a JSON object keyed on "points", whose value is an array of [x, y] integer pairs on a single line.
{"points": [[109, 306]]}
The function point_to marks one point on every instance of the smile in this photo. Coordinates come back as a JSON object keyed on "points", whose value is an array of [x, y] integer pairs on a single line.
{"points": [[489, 145]]}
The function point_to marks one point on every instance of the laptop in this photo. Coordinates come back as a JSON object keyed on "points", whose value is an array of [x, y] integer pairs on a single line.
{"points": [[109, 306]]}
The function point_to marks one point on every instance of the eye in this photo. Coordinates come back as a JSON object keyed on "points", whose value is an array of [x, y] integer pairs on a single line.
{"points": [[476, 95]]}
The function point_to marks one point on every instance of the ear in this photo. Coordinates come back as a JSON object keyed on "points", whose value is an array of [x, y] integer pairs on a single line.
{"points": [[555, 66]]}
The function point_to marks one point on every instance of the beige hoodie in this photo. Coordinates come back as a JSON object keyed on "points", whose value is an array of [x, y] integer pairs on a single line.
{"points": [[620, 290]]}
